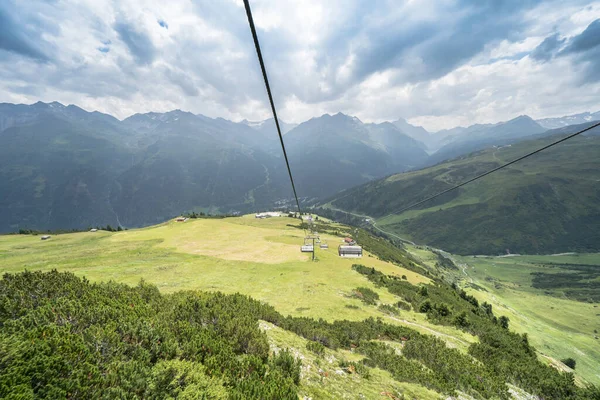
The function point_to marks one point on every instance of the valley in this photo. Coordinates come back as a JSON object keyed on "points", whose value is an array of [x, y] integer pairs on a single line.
{"points": [[299, 200], [559, 326]]}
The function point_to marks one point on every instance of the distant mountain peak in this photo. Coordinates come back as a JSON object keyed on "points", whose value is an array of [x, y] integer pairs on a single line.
{"points": [[54, 104], [574, 119], [522, 118]]}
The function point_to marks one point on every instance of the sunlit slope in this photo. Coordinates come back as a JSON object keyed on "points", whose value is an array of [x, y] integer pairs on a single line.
{"points": [[257, 257], [548, 203], [262, 258]]}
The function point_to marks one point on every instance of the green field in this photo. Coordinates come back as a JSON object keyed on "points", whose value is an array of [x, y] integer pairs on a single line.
{"points": [[262, 258], [558, 327]]}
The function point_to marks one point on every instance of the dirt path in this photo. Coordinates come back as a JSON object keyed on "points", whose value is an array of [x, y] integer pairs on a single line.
{"points": [[432, 331], [374, 225]]}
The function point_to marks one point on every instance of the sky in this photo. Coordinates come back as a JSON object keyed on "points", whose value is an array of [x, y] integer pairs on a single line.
{"points": [[436, 63]]}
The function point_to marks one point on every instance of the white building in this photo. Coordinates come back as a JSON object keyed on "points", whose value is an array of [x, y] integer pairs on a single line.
{"points": [[268, 214]]}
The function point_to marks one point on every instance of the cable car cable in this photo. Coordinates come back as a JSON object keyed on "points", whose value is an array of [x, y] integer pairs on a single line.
{"points": [[495, 169], [266, 79]]}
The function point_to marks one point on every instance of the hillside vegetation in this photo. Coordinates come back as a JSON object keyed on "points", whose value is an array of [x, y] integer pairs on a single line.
{"points": [[387, 324], [549, 203]]}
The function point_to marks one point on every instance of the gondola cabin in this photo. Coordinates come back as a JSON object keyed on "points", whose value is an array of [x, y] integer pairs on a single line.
{"points": [[348, 251], [324, 246]]}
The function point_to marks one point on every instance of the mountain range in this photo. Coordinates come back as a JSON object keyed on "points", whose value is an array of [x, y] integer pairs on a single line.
{"points": [[553, 123], [62, 167]]}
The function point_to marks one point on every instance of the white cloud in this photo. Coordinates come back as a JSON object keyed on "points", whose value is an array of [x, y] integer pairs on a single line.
{"points": [[378, 60]]}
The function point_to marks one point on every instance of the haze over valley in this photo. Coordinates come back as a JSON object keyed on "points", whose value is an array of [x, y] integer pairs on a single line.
{"points": [[66, 168]]}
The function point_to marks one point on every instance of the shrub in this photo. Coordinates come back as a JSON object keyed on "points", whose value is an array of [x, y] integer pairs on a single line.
{"points": [[425, 306], [315, 347], [352, 367], [503, 321], [461, 320], [403, 305], [569, 362], [388, 309], [366, 295]]}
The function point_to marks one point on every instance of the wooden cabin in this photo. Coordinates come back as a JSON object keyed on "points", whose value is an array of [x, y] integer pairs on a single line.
{"points": [[349, 251]]}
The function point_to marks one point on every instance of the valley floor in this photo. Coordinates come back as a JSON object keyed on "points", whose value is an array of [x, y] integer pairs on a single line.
{"points": [[558, 327]]}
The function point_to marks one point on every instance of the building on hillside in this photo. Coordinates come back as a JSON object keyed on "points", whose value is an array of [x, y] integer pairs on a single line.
{"points": [[350, 251], [181, 219], [45, 237], [268, 214], [349, 241], [93, 230]]}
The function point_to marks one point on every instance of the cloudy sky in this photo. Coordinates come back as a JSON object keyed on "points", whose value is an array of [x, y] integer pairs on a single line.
{"points": [[438, 63]]}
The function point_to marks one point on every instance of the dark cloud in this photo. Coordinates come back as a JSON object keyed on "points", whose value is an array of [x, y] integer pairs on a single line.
{"points": [[440, 46], [548, 48], [17, 38], [587, 40], [370, 57], [26, 89], [140, 45], [422, 49], [583, 48], [185, 82]]}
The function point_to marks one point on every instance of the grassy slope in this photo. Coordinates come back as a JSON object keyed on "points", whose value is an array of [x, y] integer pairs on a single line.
{"points": [[558, 327], [219, 255], [323, 378], [225, 255], [260, 258], [548, 203]]}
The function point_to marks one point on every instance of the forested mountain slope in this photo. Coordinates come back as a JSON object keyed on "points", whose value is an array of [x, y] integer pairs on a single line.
{"points": [[548, 203]]}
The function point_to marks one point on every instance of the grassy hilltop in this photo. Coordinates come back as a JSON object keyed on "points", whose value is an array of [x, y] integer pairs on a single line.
{"points": [[262, 259]]}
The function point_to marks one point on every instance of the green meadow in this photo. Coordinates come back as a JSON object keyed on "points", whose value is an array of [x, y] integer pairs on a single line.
{"points": [[558, 326], [262, 258]]}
